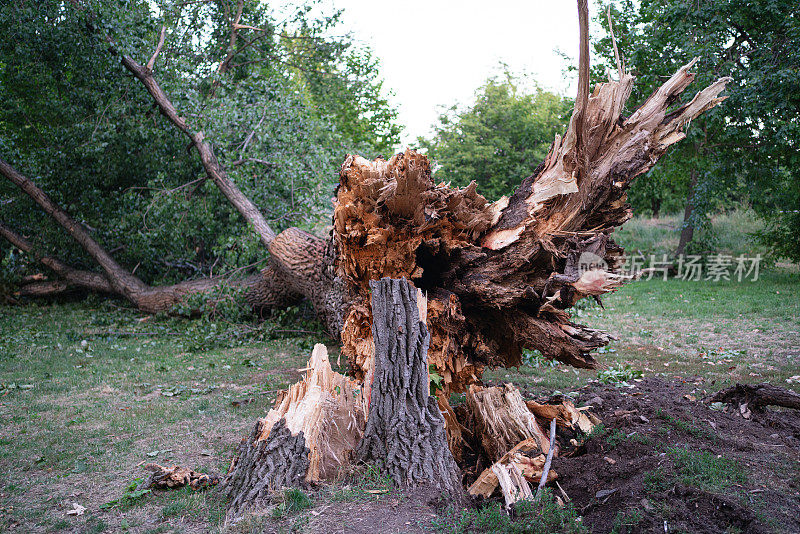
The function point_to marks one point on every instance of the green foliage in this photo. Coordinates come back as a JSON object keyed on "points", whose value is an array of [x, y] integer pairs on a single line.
{"points": [[619, 375], [133, 494], [626, 521], [534, 358], [500, 139], [685, 426], [544, 516], [230, 325], [655, 482], [435, 377], [290, 102], [705, 469], [743, 149], [291, 501], [615, 437]]}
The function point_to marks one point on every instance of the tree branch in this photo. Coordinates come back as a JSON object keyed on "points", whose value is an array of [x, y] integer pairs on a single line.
{"points": [[243, 205], [152, 62], [122, 281], [582, 99], [225, 65], [86, 279]]}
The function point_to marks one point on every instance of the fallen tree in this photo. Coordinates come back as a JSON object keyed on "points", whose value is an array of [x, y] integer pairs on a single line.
{"points": [[498, 277]]}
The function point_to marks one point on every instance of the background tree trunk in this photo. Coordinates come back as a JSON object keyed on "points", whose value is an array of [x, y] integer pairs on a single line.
{"points": [[687, 230]]}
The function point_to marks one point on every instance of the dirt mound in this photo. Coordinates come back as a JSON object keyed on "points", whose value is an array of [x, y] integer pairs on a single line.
{"points": [[666, 462]]}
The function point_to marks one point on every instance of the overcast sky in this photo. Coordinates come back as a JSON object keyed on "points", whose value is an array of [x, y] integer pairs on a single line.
{"points": [[437, 53]]}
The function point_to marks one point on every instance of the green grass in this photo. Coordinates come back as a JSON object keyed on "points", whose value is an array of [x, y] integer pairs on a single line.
{"points": [[725, 332], [685, 426], [705, 470], [291, 501], [90, 390], [530, 517], [87, 393], [732, 233], [700, 469], [626, 521]]}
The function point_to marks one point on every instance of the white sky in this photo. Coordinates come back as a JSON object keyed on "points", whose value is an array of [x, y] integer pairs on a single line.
{"points": [[437, 53]]}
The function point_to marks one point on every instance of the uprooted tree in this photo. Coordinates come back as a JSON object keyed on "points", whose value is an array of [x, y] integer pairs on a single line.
{"points": [[498, 277]]}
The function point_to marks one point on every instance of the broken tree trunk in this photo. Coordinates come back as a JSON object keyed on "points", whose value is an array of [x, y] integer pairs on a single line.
{"points": [[501, 276], [308, 436], [405, 432], [320, 424]]}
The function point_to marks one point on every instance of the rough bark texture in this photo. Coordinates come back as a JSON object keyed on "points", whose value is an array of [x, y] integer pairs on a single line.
{"points": [[319, 419], [757, 397], [263, 466], [405, 431]]}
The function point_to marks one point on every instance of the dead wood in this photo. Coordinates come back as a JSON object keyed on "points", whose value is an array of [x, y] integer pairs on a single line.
{"points": [[527, 459], [502, 420], [178, 477], [548, 460], [308, 436], [757, 397]]}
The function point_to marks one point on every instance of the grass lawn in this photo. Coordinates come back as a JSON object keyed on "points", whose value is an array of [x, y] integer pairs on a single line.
{"points": [[726, 331], [89, 392]]}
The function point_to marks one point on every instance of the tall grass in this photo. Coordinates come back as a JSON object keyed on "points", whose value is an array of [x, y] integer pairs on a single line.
{"points": [[731, 233]]}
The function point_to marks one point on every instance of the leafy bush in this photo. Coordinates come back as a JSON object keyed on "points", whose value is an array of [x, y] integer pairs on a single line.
{"points": [[619, 375]]}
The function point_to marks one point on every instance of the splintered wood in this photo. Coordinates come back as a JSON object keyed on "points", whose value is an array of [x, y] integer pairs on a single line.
{"points": [[497, 278], [500, 277], [501, 418], [391, 220], [328, 408], [178, 477]]}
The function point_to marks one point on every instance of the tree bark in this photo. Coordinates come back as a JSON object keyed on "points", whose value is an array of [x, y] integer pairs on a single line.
{"points": [[265, 465], [405, 432], [308, 436], [115, 278], [121, 280], [687, 229], [758, 396]]}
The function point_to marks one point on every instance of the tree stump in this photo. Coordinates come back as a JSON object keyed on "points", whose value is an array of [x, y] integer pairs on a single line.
{"points": [[261, 466], [405, 432]]}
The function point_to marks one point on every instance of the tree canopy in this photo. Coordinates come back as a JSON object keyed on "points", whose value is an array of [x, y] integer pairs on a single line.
{"points": [[744, 150], [280, 101], [499, 139]]}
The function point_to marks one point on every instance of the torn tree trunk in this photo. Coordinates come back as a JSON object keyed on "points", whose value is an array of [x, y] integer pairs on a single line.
{"points": [[405, 432], [502, 275], [319, 424], [308, 436]]}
